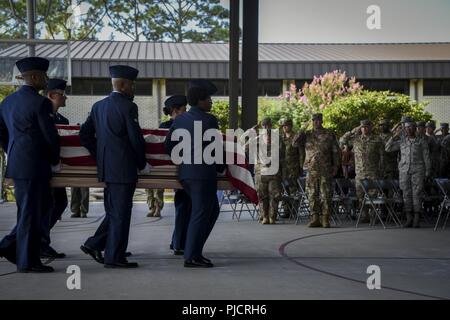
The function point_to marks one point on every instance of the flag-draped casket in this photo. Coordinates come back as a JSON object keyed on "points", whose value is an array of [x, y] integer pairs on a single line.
{"points": [[78, 168]]}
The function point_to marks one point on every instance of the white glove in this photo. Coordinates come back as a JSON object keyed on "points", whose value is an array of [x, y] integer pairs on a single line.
{"points": [[56, 168], [146, 170]]}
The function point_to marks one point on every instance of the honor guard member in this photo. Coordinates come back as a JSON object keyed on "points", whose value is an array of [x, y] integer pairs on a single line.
{"points": [[198, 180], [57, 95], [114, 138], [173, 107], [414, 168], [368, 149], [322, 160], [31, 141]]}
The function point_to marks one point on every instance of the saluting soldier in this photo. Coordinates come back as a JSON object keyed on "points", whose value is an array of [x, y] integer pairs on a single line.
{"points": [[267, 179], [114, 138], [390, 159], [435, 148], [31, 141], [57, 95], [322, 160], [444, 161], [368, 149], [292, 164], [414, 168]]}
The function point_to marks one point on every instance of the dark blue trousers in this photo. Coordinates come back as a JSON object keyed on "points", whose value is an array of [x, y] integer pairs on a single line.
{"points": [[32, 200], [58, 205], [182, 216], [204, 213], [112, 234]]}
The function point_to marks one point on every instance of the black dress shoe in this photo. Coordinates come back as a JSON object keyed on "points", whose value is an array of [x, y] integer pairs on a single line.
{"points": [[205, 259], [95, 254], [197, 263], [177, 252], [37, 269], [11, 257], [122, 264], [128, 254], [51, 253]]}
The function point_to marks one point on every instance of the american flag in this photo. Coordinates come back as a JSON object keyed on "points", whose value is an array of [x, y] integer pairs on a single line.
{"points": [[239, 175]]}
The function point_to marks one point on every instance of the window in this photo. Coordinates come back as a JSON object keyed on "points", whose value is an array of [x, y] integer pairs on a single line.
{"points": [[181, 87], [144, 87], [300, 83], [432, 88], [436, 87], [399, 86], [80, 87], [222, 87], [271, 88], [176, 87], [101, 87], [446, 88]]}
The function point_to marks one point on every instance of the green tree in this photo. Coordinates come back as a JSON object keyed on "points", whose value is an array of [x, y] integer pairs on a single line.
{"points": [[168, 20], [53, 20]]}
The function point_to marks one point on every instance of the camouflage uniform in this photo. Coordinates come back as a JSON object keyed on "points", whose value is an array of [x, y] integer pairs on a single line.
{"points": [[390, 159], [368, 152], [292, 166], [414, 167], [445, 157], [322, 155], [79, 202], [155, 201], [268, 186]]}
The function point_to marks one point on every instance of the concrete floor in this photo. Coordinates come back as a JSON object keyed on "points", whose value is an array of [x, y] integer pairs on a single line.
{"points": [[253, 261]]}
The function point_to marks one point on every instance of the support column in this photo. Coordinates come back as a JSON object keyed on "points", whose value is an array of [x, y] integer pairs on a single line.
{"points": [[250, 64], [233, 83]]}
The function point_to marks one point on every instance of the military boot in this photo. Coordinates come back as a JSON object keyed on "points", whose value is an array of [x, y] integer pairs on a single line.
{"points": [[315, 221], [416, 222], [409, 220], [157, 210], [325, 221]]}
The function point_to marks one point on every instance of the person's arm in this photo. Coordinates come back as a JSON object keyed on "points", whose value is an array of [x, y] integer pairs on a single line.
{"points": [[48, 130], [135, 136], [4, 137], [346, 139], [88, 138], [336, 155], [393, 144], [168, 143], [426, 158]]}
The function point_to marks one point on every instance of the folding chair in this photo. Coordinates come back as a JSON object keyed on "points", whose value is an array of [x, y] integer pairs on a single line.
{"points": [[292, 200], [303, 204], [234, 199], [335, 204], [388, 191], [375, 201], [444, 187], [349, 200]]}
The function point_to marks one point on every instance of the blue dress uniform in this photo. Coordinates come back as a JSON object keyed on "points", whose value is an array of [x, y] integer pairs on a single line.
{"points": [[32, 143], [58, 195], [112, 135], [182, 201], [199, 181]]}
